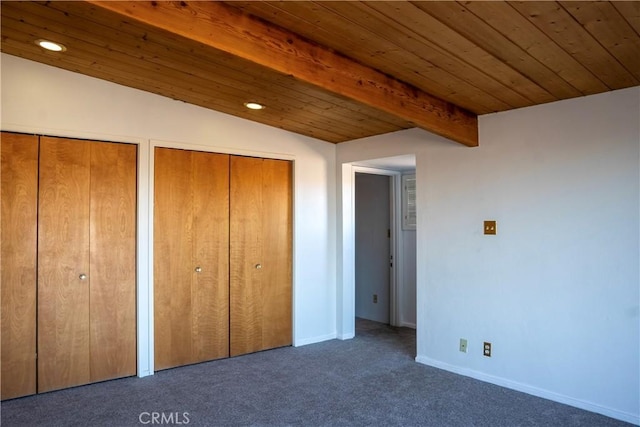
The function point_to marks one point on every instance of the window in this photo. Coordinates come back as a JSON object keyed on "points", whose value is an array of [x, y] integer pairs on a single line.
{"points": [[409, 202]]}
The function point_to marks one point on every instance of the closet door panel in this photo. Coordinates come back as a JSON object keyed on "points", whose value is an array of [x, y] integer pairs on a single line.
{"points": [[63, 264], [113, 260], [276, 272], [260, 254], [173, 257], [18, 226], [245, 255], [210, 284]]}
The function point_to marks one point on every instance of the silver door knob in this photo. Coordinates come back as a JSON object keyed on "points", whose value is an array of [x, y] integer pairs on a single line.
{"points": [[258, 266], [198, 269], [83, 276]]}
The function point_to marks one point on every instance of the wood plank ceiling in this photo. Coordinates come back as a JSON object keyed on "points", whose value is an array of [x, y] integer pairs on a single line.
{"points": [[338, 70]]}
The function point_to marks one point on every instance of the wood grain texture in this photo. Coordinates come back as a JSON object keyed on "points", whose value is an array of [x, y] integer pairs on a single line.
{"points": [[620, 40], [226, 74], [479, 56], [173, 257], [140, 56], [63, 254], [559, 25], [260, 235], [510, 23], [113, 260], [630, 11], [225, 86], [245, 253], [435, 41], [191, 230], [381, 42], [210, 286], [285, 52], [277, 224], [18, 227], [457, 17]]}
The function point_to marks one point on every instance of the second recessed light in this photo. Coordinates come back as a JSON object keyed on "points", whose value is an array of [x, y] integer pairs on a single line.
{"points": [[52, 46], [254, 106]]}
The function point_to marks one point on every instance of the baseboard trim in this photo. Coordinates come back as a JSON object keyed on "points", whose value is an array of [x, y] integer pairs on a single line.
{"points": [[408, 325], [347, 336], [535, 391], [313, 340], [145, 373]]}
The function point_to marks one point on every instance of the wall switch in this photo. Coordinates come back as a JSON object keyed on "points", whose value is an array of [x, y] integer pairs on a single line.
{"points": [[375, 298], [487, 349], [490, 227], [463, 345]]}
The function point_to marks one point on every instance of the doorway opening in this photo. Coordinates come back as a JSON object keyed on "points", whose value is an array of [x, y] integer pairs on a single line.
{"points": [[402, 278], [374, 261]]}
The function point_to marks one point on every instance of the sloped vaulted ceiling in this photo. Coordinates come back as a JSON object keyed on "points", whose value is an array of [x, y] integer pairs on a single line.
{"points": [[337, 70]]}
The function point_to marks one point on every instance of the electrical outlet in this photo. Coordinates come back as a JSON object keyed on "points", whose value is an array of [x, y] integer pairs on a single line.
{"points": [[375, 298], [463, 345], [487, 349]]}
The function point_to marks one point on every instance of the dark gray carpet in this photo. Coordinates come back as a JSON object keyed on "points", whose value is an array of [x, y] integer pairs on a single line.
{"points": [[370, 380]]}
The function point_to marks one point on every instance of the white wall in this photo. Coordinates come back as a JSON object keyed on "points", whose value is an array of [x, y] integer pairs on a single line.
{"points": [[42, 99], [557, 290]]}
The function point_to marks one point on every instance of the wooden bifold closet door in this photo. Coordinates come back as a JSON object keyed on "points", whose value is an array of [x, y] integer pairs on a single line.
{"points": [[191, 267], [86, 262], [70, 205], [260, 254], [222, 255], [19, 235]]}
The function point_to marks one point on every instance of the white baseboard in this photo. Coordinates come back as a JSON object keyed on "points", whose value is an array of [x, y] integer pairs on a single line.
{"points": [[408, 325], [145, 373], [313, 340], [535, 391], [347, 336]]}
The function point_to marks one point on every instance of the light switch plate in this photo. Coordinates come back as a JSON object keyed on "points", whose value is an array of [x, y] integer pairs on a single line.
{"points": [[490, 227]]}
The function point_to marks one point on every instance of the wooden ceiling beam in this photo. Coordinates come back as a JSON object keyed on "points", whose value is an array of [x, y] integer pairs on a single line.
{"points": [[230, 30]]}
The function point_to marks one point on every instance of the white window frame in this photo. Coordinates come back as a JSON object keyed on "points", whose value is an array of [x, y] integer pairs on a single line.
{"points": [[409, 207]]}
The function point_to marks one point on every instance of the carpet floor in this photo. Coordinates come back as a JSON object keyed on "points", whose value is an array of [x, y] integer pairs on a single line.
{"points": [[371, 380]]}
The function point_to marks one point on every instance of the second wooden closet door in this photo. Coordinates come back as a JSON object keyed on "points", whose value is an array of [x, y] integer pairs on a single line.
{"points": [[222, 255], [191, 267], [260, 254]]}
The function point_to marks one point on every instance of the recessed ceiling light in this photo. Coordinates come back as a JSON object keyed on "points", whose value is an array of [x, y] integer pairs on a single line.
{"points": [[52, 46], [254, 106]]}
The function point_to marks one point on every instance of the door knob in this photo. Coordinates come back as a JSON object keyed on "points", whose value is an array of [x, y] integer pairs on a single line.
{"points": [[198, 269], [83, 276], [258, 266]]}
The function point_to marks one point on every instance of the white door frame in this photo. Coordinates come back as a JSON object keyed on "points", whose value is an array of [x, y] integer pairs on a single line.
{"points": [[349, 191]]}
